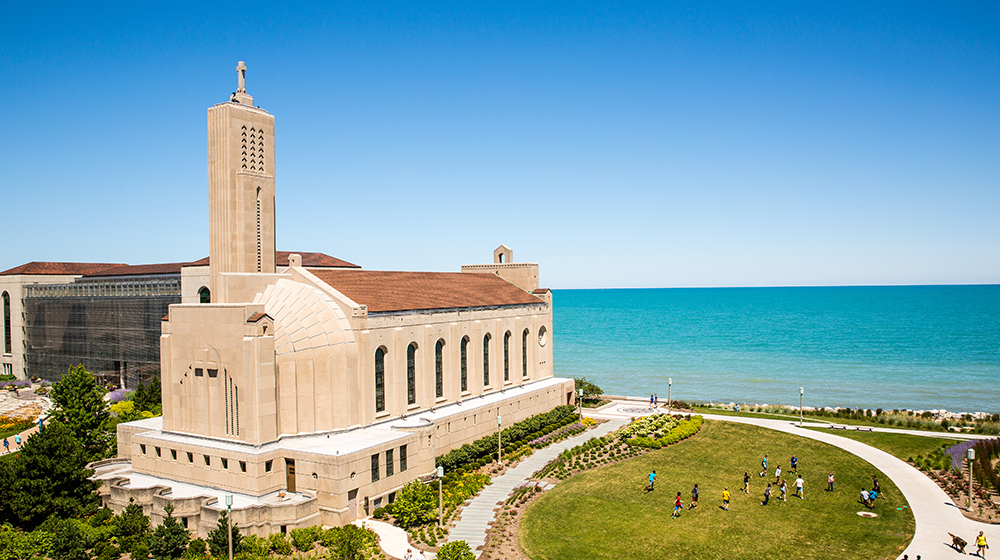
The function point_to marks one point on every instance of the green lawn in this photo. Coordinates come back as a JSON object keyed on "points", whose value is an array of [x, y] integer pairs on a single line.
{"points": [[901, 446], [605, 513], [745, 414]]}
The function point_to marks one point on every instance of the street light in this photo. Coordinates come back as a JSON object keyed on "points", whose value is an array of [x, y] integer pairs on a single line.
{"points": [[499, 442], [229, 523], [802, 392], [670, 383], [971, 454], [440, 501], [580, 404]]}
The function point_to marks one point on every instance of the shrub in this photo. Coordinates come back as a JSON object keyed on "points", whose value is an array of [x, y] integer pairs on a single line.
{"points": [[196, 550], [279, 544], [304, 538], [255, 546], [415, 503]]}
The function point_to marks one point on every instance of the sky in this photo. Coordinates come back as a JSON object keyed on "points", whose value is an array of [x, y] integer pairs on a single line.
{"points": [[617, 145]]}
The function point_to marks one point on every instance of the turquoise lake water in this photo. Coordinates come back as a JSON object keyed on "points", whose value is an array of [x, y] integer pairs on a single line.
{"points": [[918, 347]]}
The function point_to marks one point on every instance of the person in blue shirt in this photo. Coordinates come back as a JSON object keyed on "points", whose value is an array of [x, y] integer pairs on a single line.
{"points": [[652, 478], [795, 463]]}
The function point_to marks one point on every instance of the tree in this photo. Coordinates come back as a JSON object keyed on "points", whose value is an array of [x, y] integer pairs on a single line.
{"points": [[170, 538], [218, 543], [415, 503], [590, 390], [131, 528], [49, 478], [69, 541], [350, 542], [455, 550], [147, 397], [80, 406]]}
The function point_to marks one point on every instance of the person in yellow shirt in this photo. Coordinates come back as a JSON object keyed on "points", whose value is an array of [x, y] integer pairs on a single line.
{"points": [[725, 499], [981, 545]]}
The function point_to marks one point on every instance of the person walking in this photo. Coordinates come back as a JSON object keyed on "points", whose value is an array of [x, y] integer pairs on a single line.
{"points": [[725, 499], [829, 483], [409, 554], [877, 487], [17, 441], [767, 494], [763, 466], [784, 488], [652, 478], [6, 445], [777, 474], [650, 401], [864, 498], [798, 487], [981, 545], [694, 497], [678, 506], [656, 400], [746, 482]]}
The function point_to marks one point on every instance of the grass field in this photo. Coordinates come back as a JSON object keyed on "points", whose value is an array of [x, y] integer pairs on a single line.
{"points": [[744, 414], [901, 446], [605, 513]]}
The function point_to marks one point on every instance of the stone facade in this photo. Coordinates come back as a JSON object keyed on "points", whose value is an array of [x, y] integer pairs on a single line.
{"points": [[314, 394]]}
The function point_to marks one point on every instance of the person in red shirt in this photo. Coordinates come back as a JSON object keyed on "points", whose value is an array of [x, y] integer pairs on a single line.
{"points": [[678, 506]]}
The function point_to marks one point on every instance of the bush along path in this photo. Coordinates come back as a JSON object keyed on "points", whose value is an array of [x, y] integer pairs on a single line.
{"points": [[476, 517]]}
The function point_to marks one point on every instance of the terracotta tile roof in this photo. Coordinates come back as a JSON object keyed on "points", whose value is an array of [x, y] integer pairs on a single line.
{"points": [[312, 259], [139, 270], [257, 317], [385, 291], [58, 268], [308, 260], [541, 291]]}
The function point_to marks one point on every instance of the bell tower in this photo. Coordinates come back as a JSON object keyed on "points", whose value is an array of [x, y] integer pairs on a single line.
{"points": [[240, 187]]}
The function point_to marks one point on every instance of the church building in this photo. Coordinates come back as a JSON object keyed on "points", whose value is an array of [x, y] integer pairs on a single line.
{"points": [[313, 394]]}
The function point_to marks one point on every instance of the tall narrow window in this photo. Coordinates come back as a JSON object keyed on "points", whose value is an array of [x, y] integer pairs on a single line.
{"points": [[388, 462], [465, 364], [204, 295], [486, 360], [402, 458], [439, 368], [506, 356], [411, 373], [258, 222], [375, 476], [6, 323], [524, 353], [380, 380]]}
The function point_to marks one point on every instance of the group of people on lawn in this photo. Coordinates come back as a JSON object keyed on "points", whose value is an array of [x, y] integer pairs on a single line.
{"points": [[781, 483]]}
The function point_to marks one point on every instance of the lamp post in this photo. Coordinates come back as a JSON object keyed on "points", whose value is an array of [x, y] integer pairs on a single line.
{"points": [[580, 404], [440, 501], [802, 393], [670, 384], [229, 523], [971, 454], [499, 441]]}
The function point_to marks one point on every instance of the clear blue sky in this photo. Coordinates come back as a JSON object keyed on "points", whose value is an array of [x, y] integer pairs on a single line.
{"points": [[638, 145]]}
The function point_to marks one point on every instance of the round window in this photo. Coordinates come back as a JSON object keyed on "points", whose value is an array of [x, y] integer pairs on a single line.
{"points": [[542, 336]]}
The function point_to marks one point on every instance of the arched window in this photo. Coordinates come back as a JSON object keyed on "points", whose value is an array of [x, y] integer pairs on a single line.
{"points": [[204, 295], [6, 323], [439, 368], [380, 380], [506, 356], [411, 373], [465, 364], [524, 353], [486, 360]]}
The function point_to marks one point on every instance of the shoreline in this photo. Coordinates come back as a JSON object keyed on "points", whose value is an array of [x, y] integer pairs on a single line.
{"points": [[935, 414]]}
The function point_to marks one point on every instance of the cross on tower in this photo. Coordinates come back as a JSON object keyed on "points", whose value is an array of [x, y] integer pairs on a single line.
{"points": [[241, 70]]}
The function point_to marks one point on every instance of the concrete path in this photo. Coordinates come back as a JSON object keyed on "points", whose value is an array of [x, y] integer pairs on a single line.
{"points": [[392, 539], [476, 517], [935, 514]]}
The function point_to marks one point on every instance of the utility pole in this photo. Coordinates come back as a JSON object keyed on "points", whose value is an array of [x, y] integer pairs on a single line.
{"points": [[802, 393], [670, 384], [229, 523], [440, 472], [971, 454]]}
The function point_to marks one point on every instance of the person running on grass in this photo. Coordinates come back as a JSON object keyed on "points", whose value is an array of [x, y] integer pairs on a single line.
{"points": [[678, 506], [784, 488], [829, 483], [763, 466], [652, 477], [798, 487], [694, 497], [795, 463], [876, 487], [777, 474], [725, 499], [767, 494], [746, 482], [864, 498]]}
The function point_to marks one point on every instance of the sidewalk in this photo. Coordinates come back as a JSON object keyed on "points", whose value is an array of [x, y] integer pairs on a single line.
{"points": [[476, 517]]}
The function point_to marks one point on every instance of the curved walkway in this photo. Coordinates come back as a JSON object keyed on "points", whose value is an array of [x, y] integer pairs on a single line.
{"points": [[934, 512]]}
